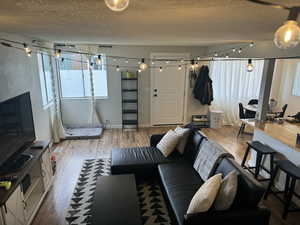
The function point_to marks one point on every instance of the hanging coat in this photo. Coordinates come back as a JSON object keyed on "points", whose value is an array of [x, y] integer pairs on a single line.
{"points": [[203, 90]]}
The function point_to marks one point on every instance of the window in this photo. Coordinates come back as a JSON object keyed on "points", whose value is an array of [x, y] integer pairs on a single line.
{"points": [[75, 77], [45, 72]]}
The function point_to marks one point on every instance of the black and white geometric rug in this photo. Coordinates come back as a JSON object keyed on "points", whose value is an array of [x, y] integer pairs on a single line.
{"points": [[152, 204]]}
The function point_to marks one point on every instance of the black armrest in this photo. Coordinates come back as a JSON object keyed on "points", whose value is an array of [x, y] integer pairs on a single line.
{"points": [[259, 216], [155, 138]]}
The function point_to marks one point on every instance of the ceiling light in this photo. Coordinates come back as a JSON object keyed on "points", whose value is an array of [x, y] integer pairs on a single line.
{"points": [[160, 69], [240, 50], [216, 54], [117, 5], [288, 35], [139, 70], [28, 50], [98, 60], [117, 68], [198, 58], [57, 53], [179, 67], [143, 65], [234, 50], [251, 44], [250, 66]]}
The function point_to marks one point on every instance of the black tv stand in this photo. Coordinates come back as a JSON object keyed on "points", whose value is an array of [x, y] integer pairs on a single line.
{"points": [[15, 163]]}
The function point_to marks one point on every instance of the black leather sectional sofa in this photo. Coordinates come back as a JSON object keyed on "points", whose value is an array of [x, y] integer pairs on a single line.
{"points": [[180, 182]]}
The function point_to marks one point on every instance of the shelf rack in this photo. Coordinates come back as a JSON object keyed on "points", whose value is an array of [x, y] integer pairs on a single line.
{"points": [[129, 90]]}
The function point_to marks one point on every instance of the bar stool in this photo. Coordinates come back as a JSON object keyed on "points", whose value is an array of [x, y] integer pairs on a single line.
{"points": [[262, 152], [292, 175]]}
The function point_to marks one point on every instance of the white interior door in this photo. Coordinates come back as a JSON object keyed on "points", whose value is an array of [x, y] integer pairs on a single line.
{"points": [[167, 91]]}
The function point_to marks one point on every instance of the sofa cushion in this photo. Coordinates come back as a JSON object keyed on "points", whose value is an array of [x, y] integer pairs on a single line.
{"points": [[169, 142], [180, 182], [206, 195], [192, 146], [249, 191], [139, 160], [183, 140]]}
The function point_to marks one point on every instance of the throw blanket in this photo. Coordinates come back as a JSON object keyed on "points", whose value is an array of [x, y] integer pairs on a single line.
{"points": [[209, 156]]}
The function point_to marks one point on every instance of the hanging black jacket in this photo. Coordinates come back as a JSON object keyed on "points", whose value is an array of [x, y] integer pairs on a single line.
{"points": [[203, 90]]}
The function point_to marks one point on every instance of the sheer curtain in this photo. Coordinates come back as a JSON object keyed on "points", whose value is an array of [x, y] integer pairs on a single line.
{"points": [[58, 130], [232, 84]]}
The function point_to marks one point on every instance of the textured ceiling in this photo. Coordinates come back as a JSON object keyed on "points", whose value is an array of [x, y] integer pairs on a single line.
{"points": [[145, 22]]}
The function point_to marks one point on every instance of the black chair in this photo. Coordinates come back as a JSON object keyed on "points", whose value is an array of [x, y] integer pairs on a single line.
{"points": [[281, 114], [243, 117], [262, 151], [292, 176], [253, 102]]}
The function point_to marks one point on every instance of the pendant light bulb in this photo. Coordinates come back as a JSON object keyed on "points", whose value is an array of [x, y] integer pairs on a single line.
{"points": [[234, 50], [57, 53], [251, 44], [27, 50], [143, 65], [240, 50], [117, 5], [216, 54], [139, 70], [179, 67], [288, 35], [250, 66], [160, 69], [98, 60], [117, 68]]}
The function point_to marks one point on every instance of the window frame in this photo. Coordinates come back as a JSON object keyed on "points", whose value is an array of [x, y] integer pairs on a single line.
{"points": [[43, 83], [83, 83]]}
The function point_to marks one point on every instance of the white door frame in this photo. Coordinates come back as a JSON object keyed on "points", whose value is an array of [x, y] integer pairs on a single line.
{"points": [[159, 55]]}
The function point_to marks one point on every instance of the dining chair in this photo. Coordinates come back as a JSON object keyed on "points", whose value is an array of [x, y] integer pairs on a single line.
{"points": [[282, 113], [253, 102], [242, 116]]}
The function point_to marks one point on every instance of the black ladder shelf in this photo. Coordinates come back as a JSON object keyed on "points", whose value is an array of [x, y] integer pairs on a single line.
{"points": [[129, 88]]}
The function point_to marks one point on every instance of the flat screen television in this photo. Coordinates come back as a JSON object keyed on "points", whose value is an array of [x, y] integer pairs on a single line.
{"points": [[16, 126]]}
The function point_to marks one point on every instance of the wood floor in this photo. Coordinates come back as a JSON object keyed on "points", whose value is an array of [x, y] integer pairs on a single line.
{"points": [[70, 155]]}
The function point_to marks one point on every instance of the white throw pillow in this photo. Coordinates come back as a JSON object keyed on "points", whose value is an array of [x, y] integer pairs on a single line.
{"points": [[184, 132], [168, 143], [227, 192], [206, 195]]}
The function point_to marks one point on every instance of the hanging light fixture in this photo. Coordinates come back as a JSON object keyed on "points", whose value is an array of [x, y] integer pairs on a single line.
{"points": [[57, 53], [179, 67], [28, 50], [234, 50], [117, 5], [192, 64], [288, 35], [143, 65], [98, 60], [250, 66], [240, 50], [160, 69], [216, 54], [251, 44], [117, 68]]}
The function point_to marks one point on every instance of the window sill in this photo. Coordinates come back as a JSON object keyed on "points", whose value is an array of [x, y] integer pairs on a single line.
{"points": [[84, 98]]}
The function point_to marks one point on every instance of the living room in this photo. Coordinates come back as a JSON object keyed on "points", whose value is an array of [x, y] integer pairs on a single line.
{"points": [[175, 112]]}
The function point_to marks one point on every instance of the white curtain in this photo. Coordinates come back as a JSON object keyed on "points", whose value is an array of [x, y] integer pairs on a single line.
{"points": [[94, 118], [58, 131], [232, 84]]}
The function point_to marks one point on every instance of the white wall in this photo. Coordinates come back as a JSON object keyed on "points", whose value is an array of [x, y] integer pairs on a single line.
{"points": [[19, 74], [75, 112], [282, 85]]}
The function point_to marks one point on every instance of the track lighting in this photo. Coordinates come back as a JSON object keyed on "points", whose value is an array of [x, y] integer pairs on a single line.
{"points": [[98, 60], [126, 61], [152, 62], [227, 56], [250, 66], [216, 54], [117, 68], [57, 53], [139, 70], [288, 35], [198, 58], [240, 50], [117, 5], [192, 64], [160, 69], [167, 62], [234, 50], [251, 44], [143, 65], [179, 67], [182, 60]]}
